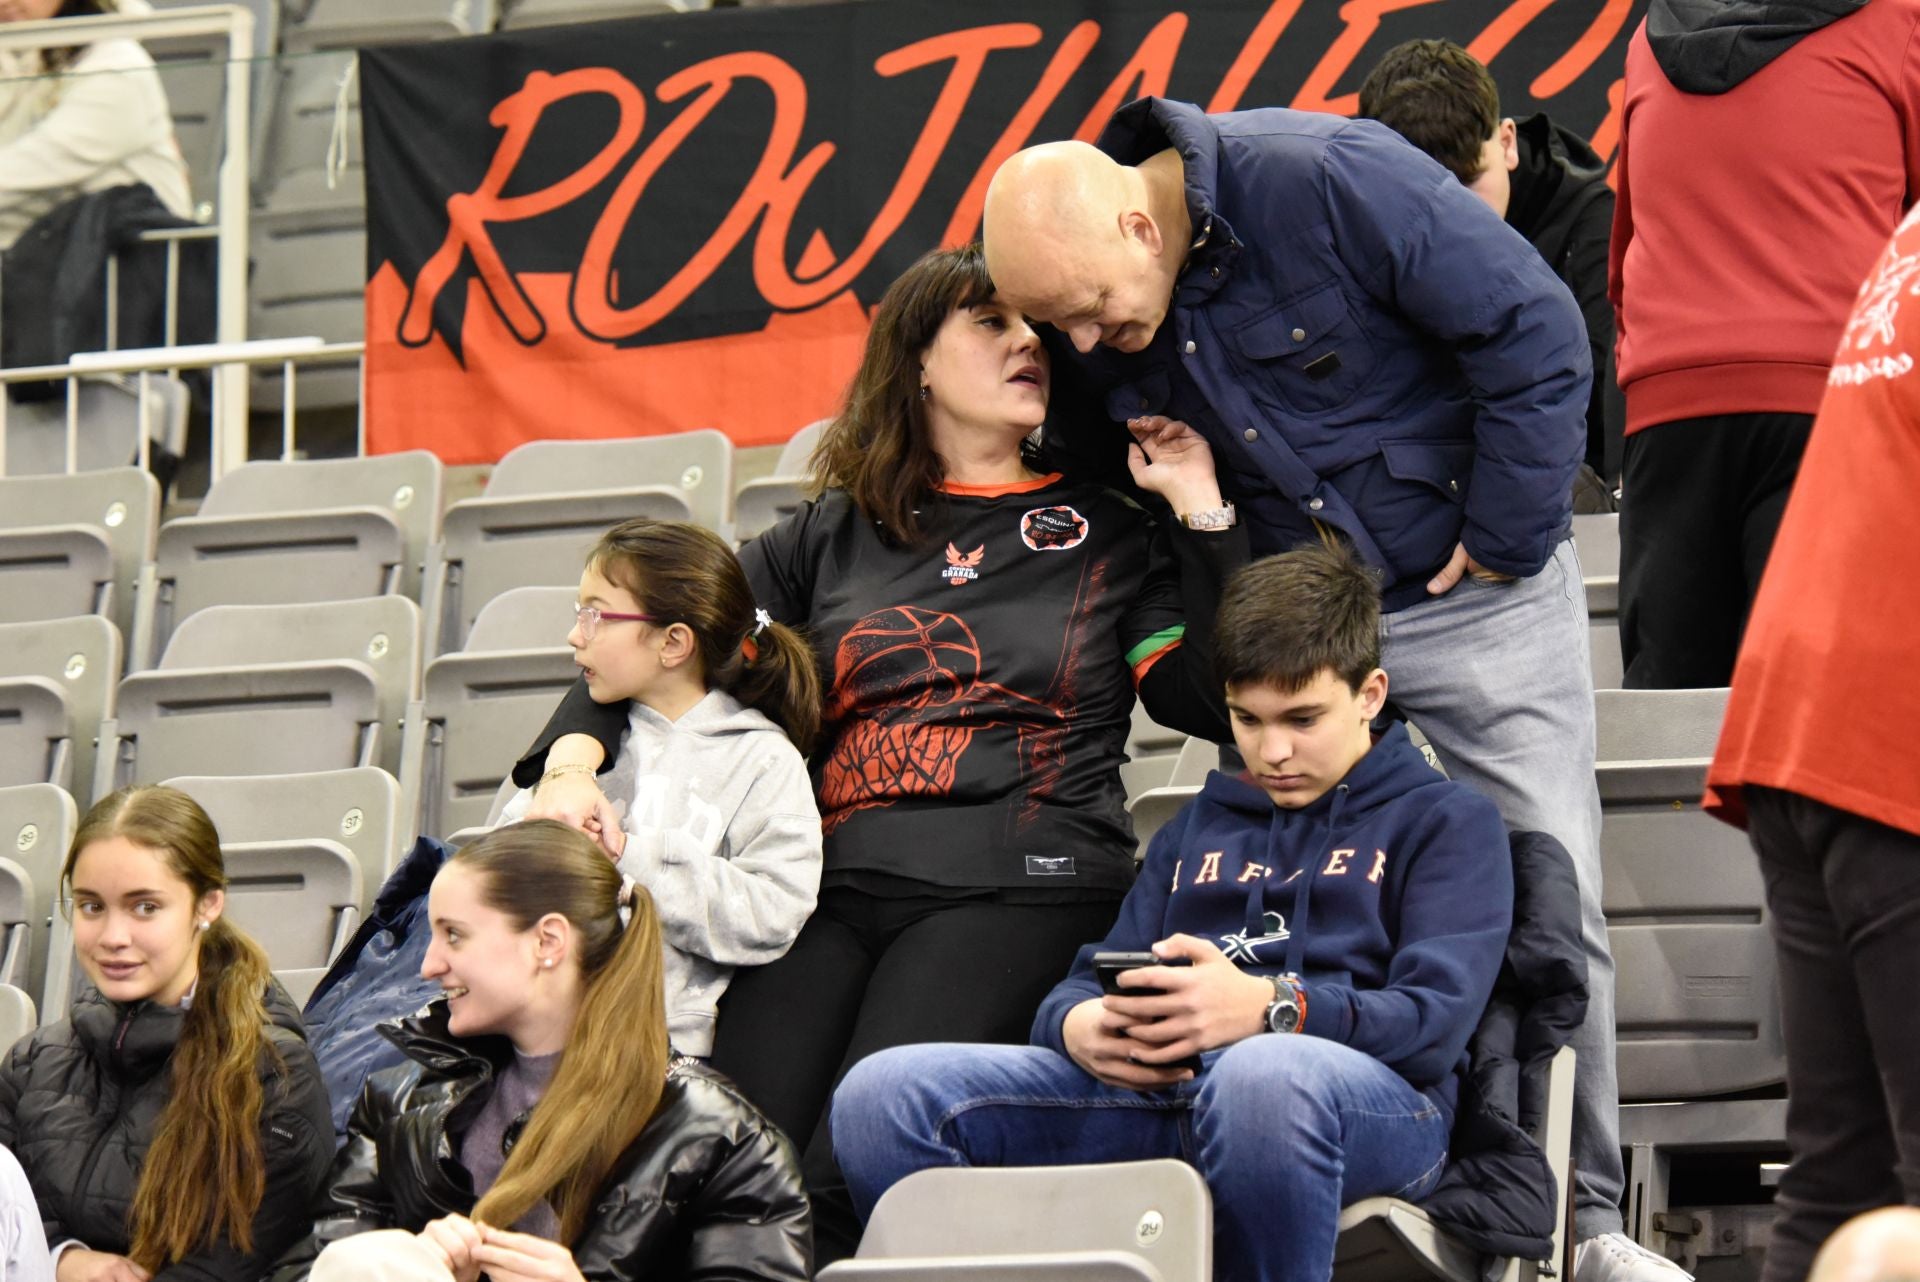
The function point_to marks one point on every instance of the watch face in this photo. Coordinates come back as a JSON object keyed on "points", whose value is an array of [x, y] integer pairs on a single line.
{"points": [[1283, 1016]]}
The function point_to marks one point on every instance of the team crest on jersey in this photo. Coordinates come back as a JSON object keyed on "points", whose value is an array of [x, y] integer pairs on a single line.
{"points": [[962, 566], [1053, 529]]}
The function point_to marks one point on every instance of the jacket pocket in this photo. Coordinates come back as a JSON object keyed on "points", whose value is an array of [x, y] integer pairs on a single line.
{"points": [[1443, 466], [1307, 355]]}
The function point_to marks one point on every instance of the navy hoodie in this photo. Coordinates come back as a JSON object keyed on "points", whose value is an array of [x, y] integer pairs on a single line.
{"points": [[1391, 896]]}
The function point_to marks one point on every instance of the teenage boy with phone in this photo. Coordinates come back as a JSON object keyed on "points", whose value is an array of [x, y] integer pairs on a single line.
{"points": [[1341, 911]]}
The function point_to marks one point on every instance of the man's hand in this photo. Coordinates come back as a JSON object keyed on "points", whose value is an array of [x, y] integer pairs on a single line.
{"points": [[455, 1239], [1461, 564], [1097, 1040], [77, 1264], [1201, 1007], [522, 1257], [1174, 461]]}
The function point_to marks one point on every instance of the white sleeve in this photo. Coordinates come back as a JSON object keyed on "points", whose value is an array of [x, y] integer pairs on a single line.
{"points": [[111, 107]]}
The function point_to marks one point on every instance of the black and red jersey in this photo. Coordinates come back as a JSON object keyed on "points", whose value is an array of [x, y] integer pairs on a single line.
{"points": [[980, 682]]}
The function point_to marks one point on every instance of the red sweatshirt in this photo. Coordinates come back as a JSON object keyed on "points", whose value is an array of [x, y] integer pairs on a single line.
{"points": [[1746, 218], [1824, 699]]}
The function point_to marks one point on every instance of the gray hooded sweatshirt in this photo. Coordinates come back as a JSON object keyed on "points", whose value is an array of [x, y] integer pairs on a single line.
{"points": [[723, 831]]}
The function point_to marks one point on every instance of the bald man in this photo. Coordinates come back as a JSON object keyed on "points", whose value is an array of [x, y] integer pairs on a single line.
{"points": [[1375, 357]]}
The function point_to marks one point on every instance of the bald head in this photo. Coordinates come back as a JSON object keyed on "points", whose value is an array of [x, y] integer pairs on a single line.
{"points": [[1074, 238], [1880, 1246]]}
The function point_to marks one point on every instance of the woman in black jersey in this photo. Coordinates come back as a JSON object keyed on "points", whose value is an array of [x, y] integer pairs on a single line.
{"points": [[982, 626]]}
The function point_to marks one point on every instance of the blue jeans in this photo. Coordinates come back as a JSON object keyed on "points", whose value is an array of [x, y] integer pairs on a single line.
{"points": [[1497, 677], [1285, 1130]]}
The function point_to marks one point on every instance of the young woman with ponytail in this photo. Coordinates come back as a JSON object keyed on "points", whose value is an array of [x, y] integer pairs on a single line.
{"points": [[541, 1128], [175, 1125], [708, 804]]}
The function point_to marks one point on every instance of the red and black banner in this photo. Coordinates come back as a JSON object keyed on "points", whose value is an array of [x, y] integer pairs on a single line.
{"points": [[677, 222]]}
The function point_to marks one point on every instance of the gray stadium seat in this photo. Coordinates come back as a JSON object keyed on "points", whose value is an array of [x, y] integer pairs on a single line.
{"points": [[36, 737], [525, 619], [17, 1017], [53, 531], [1603, 641], [17, 900], [80, 658], [490, 545], [359, 809], [1596, 538], [482, 708], [109, 419], [342, 24], [309, 280], [37, 823], [381, 634], [1145, 735], [548, 13], [335, 554], [1151, 810], [697, 466], [290, 159], [1696, 1007], [283, 718], [299, 899], [1151, 1221], [761, 504], [407, 486]]}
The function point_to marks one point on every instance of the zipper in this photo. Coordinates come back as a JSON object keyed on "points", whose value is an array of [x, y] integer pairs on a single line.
{"points": [[119, 1110]]}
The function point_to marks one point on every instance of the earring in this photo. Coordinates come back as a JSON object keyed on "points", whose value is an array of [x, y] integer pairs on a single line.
{"points": [[204, 925], [548, 963], [925, 391]]}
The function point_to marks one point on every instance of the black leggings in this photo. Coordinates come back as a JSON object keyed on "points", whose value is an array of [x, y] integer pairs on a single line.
{"points": [[868, 973]]}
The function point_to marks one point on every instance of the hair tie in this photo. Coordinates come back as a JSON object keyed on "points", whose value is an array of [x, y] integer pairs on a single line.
{"points": [[624, 901], [748, 645]]}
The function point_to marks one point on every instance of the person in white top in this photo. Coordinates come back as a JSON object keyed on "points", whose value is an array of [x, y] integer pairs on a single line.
{"points": [[81, 119]]}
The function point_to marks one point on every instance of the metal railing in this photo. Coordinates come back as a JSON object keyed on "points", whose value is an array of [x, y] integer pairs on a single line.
{"points": [[229, 432], [235, 25]]}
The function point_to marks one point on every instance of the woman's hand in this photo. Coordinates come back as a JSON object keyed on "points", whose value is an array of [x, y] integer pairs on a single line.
{"points": [[457, 1239], [1172, 460], [574, 798], [77, 1264], [522, 1257]]}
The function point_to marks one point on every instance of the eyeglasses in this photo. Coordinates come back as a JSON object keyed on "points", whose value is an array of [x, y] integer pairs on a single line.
{"points": [[589, 618]]}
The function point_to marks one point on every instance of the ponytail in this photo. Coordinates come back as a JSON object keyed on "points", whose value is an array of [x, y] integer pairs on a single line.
{"points": [[613, 1068], [684, 573], [775, 673], [204, 1175]]}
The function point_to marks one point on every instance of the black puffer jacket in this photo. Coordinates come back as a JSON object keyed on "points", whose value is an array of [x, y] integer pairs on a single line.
{"points": [[709, 1192], [78, 1105]]}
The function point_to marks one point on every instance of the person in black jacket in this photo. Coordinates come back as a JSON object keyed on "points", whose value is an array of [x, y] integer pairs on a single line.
{"points": [[174, 1126], [982, 624], [540, 1128], [1544, 179]]}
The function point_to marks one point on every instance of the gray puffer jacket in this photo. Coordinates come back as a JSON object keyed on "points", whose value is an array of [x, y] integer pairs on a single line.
{"points": [[79, 1102]]}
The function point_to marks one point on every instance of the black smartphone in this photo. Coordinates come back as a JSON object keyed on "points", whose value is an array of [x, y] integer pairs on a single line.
{"points": [[1110, 966]]}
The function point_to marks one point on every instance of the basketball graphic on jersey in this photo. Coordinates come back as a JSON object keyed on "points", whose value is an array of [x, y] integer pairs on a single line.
{"points": [[906, 685]]}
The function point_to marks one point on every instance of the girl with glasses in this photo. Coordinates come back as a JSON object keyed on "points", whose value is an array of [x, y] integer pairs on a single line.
{"points": [[708, 804]]}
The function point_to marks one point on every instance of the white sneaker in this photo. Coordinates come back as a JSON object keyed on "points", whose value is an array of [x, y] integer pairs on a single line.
{"points": [[1615, 1257]]}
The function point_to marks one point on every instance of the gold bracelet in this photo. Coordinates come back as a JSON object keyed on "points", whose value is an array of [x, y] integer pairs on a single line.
{"points": [[573, 768]]}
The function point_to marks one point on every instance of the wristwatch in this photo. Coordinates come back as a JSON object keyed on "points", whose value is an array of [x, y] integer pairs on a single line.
{"points": [[1289, 1006], [1213, 518]]}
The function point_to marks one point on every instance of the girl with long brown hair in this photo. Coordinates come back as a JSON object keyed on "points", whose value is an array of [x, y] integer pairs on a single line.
{"points": [[541, 1127], [983, 622], [175, 1124], [711, 808]]}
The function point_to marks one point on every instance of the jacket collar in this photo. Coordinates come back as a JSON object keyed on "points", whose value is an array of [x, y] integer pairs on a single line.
{"points": [[135, 1040], [423, 1037], [1148, 126]]}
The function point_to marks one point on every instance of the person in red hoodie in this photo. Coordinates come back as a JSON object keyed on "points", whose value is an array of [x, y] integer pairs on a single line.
{"points": [[1766, 152], [1818, 760]]}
